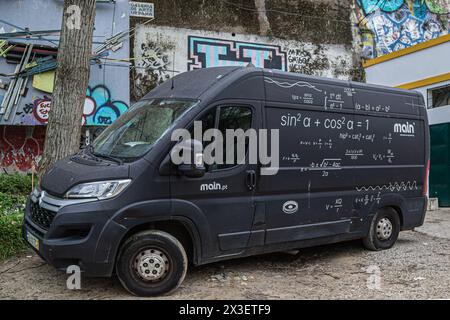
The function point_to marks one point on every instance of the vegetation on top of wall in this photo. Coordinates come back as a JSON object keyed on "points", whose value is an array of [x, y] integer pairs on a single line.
{"points": [[358, 73], [216, 15], [319, 22]]}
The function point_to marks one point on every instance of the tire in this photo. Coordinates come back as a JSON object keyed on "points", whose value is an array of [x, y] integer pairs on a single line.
{"points": [[151, 263], [379, 237]]}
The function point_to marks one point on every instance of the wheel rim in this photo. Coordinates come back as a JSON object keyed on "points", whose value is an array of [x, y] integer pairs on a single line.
{"points": [[151, 265], [384, 229]]}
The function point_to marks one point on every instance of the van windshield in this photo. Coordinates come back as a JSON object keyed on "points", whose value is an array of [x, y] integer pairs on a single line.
{"points": [[135, 132]]}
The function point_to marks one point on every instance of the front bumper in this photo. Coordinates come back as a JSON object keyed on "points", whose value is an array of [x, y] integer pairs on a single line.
{"points": [[79, 233]]}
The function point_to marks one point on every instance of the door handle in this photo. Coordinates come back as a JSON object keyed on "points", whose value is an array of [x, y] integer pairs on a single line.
{"points": [[250, 179]]}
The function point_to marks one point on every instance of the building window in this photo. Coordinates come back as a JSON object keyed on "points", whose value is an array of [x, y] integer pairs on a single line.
{"points": [[439, 97]]}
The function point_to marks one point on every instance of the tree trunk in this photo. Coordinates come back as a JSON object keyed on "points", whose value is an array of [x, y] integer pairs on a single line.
{"points": [[71, 80]]}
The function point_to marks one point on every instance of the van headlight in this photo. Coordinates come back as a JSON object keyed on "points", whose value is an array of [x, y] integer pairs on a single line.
{"points": [[100, 190]]}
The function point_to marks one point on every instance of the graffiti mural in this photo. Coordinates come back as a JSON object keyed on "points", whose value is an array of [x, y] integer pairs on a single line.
{"points": [[34, 113], [153, 67], [99, 108], [308, 59], [393, 25], [209, 52], [20, 147]]}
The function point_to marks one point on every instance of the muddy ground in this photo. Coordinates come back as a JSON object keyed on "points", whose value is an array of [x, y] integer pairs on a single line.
{"points": [[418, 267]]}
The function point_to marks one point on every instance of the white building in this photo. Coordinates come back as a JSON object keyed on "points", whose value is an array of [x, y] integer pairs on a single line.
{"points": [[424, 67]]}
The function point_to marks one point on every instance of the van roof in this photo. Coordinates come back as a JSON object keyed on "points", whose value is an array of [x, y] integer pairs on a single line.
{"points": [[193, 84]]}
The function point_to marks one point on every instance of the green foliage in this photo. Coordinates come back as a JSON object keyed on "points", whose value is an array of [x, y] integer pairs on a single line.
{"points": [[10, 235], [13, 192], [12, 203], [15, 183]]}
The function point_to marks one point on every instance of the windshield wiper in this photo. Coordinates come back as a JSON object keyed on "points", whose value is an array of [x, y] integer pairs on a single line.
{"points": [[104, 156]]}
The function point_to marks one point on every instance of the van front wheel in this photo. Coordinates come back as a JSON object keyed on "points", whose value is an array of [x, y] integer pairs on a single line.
{"points": [[384, 230], [151, 263]]}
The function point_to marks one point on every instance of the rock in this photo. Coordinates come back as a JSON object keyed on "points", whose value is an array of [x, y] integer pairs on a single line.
{"points": [[219, 277], [418, 278]]}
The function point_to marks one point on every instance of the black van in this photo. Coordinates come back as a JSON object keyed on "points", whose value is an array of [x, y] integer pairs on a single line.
{"points": [[353, 164]]}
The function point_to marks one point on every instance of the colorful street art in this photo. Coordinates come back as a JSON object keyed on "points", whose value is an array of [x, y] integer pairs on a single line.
{"points": [[20, 147], [391, 25], [99, 108], [210, 52]]}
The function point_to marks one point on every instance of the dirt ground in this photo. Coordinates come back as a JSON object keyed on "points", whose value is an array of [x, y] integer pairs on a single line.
{"points": [[418, 267]]}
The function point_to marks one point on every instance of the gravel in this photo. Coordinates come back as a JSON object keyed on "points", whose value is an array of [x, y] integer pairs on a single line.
{"points": [[417, 267]]}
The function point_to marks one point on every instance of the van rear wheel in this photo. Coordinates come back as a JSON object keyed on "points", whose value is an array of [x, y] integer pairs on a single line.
{"points": [[384, 230], [151, 263]]}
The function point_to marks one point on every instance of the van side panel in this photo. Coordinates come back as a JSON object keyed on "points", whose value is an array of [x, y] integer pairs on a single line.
{"points": [[345, 151], [310, 172]]}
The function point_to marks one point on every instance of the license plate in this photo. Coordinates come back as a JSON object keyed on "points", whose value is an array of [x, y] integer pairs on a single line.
{"points": [[33, 240]]}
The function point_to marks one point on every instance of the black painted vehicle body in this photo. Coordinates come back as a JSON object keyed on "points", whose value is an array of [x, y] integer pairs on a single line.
{"points": [[346, 150]]}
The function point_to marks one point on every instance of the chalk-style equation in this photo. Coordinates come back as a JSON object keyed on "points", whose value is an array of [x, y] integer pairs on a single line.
{"points": [[334, 101], [334, 206], [292, 158], [354, 154], [374, 108], [318, 143], [357, 136], [329, 123], [368, 198], [388, 138], [306, 98], [389, 156], [329, 164]]}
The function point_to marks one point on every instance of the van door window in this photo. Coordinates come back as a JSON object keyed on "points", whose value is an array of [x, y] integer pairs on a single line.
{"points": [[233, 118], [208, 121]]}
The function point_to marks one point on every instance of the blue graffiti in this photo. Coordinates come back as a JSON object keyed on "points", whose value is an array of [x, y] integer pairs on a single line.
{"points": [[394, 25], [209, 52], [99, 107], [372, 5]]}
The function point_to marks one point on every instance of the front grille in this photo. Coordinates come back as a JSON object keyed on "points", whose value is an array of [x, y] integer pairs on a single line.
{"points": [[41, 216]]}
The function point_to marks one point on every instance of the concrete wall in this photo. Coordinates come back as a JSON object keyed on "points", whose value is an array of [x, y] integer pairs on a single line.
{"points": [[21, 136], [162, 51], [311, 37]]}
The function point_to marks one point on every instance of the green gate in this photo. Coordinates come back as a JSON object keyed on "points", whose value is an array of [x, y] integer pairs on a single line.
{"points": [[440, 163]]}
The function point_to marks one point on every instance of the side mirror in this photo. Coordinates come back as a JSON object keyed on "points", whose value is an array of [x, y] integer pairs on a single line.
{"points": [[187, 156]]}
